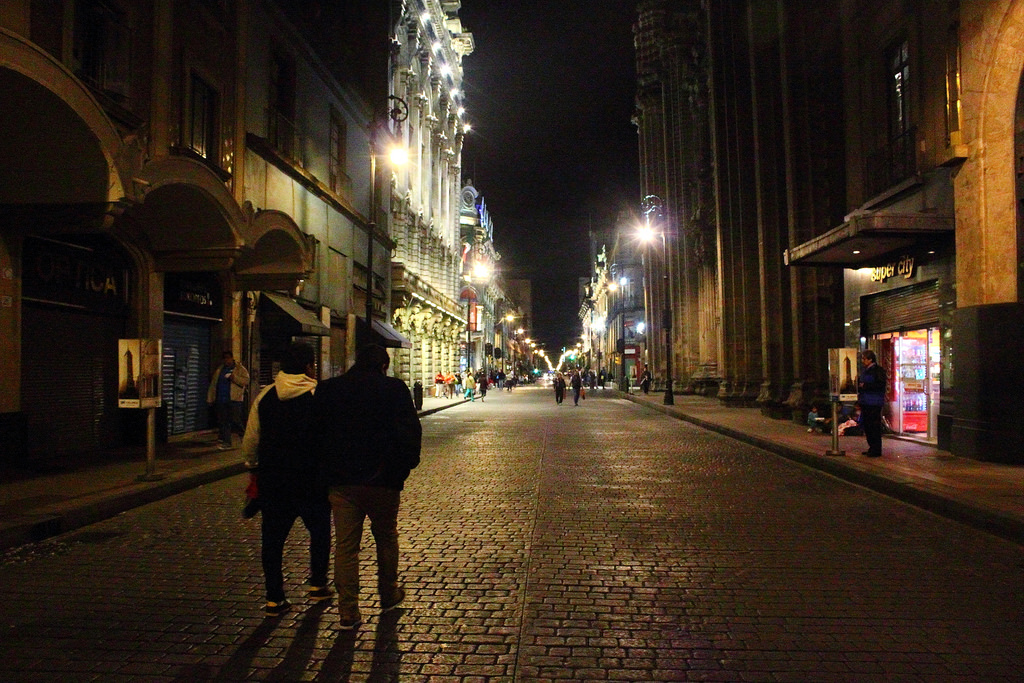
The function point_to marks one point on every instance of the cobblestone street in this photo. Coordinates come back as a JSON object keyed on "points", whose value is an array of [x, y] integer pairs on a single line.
{"points": [[542, 543]]}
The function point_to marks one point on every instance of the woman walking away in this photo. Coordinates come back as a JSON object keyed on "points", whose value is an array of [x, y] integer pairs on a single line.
{"points": [[470, 385]]}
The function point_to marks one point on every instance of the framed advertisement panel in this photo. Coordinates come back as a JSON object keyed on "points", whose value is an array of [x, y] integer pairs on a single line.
{"points": [[138, 374], [842, 374]]}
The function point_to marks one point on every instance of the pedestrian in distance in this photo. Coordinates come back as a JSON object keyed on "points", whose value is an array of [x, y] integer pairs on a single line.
{"points": [[226, 393], [559, 385], [871, 386], [470, 384], [280, 445], [458, 384], [370, 439], [482, 381], [576, 382], [438, 384], [645, 380], [449, 384]]}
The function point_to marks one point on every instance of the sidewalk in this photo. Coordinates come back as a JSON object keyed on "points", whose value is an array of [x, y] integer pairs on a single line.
{"points": [[988, 496], [34, 506]]}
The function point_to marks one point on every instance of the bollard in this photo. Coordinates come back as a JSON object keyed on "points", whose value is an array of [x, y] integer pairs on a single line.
{"points": [[417, 394], [835, 431]]}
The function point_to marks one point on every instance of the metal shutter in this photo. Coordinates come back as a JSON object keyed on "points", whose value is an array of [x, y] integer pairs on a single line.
{"points": [[186, 375], [69, 380], [906, 308]]}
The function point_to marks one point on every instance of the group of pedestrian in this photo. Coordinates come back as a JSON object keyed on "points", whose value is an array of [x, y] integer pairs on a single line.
{"points": [[575, 382], [344, 446], [866, 415], [448, 384]]}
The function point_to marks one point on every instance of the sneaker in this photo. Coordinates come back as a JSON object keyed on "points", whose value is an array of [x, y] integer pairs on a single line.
{"points": [[276, 609], [223, 447], [396, 599], [349, 620], [319, 593]]}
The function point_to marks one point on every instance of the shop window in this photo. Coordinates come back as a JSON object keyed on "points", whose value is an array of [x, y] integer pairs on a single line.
{"points": [[101, 52], [912, 360]]}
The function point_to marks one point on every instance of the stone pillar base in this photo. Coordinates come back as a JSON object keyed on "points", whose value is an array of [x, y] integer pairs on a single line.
{"points": [[988, 377]]}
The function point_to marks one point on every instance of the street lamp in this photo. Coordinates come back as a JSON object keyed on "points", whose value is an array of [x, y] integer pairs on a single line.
{"points": [[398, 111], [653, 204]]}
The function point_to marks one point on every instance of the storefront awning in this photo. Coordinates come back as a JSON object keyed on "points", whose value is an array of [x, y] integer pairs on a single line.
{"points": [[867, 238], [383, 334], [307, 322]]}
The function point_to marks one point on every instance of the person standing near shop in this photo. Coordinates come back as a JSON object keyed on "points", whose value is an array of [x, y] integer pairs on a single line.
{"points": [[226, 392], [645, 380], [279, 445], [369, 441], [871, 386]]}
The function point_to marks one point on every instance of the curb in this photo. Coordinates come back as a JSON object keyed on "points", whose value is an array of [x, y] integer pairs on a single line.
{"points": [[966, 512], [80, 512]]}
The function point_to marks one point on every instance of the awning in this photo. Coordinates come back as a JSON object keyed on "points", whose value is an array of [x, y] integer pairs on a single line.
{"points": [[866, 239], [383, 334], [306, 321]]}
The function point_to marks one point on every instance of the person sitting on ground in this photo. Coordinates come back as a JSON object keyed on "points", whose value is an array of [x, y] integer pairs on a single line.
{"points": [[851, 426], [816, 422]]}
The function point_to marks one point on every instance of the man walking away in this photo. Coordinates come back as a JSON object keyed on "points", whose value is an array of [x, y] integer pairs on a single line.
{"points": [[279, 443], [871, 387], [226, 392], [577, 386], [370, 438]]}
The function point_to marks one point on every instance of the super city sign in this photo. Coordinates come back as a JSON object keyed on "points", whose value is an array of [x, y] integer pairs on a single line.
{"points": [[904, 268]]}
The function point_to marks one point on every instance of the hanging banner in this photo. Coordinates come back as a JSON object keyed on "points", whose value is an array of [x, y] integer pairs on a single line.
{"points": [[138, 374], [842, 374]]}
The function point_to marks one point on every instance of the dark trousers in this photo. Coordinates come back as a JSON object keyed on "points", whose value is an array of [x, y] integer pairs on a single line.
{"points": [[871, 420], [575, 395], [279, 515], [229, 415]]}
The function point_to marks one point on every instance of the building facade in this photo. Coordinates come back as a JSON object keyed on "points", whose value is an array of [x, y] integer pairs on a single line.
{"points": [[842, 174], [426, 269], [195, 172]]}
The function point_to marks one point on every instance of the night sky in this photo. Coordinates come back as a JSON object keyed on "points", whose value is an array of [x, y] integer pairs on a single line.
{"points": [[550, 91]]}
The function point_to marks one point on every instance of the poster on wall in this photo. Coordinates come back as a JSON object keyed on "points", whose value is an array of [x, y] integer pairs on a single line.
{"points": [[842, 374], [138, 374]]}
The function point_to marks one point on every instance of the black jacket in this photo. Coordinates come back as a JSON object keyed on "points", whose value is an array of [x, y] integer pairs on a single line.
{"points": [[288, 466], [370, 433]]}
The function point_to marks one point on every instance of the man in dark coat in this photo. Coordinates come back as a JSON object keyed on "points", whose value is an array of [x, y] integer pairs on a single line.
{"points": [[279, 444], [871, 386], [370, 438]]}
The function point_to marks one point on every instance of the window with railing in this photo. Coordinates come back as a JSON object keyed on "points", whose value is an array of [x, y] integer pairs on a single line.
{"points": [[201, 131], [953, 85], [896, 159], [282, 132], [339, 180], [101, 48]]}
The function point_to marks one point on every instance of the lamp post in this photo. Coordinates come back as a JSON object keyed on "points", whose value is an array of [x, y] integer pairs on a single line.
{"points": [[653, 204], [398, 111]]}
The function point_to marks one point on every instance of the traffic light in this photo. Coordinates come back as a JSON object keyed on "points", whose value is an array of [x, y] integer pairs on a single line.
{"points": [[488, 349]]}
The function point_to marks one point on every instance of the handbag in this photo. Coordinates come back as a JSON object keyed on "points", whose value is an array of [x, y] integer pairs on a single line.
{"points": [[252, 498], [583, 393]]}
